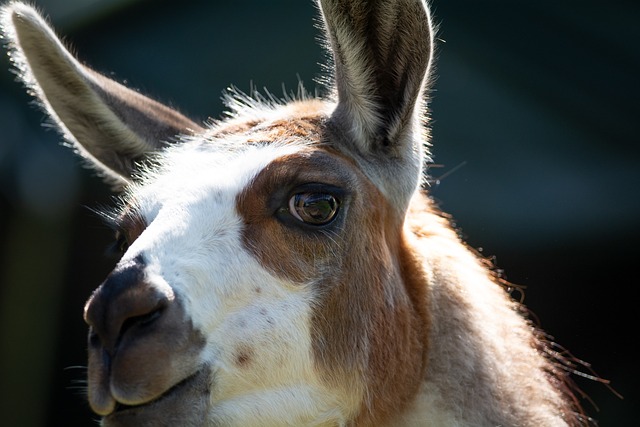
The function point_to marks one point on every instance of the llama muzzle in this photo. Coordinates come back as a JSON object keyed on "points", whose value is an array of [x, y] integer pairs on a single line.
{"points": [[132, 317]]}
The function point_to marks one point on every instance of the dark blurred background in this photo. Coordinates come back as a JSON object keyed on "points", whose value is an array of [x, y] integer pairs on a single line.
{"points": [[536, 141]]}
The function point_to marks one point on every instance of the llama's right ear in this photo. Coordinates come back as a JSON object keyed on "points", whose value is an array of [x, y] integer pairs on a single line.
{"points": [[110, 125], [382, 52]]}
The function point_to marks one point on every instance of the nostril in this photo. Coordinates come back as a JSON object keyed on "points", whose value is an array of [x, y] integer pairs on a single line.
{"points": [[142, 321], [147, 319], [126, 304]]}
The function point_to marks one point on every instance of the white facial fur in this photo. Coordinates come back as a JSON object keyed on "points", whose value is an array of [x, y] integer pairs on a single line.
{"points": [[257, 326]]}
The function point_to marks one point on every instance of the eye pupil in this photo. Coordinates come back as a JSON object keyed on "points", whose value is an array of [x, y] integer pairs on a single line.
{"points": [[313, 208]]}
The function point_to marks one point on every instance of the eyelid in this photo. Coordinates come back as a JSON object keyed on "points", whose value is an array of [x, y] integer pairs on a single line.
{"points": [[317, 187]]}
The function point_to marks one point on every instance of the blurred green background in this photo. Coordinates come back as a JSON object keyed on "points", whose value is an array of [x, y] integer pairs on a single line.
{"points": [[536, 140]]}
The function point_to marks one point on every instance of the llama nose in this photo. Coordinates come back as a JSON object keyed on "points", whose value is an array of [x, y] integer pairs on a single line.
{"points": [[124, 304]]}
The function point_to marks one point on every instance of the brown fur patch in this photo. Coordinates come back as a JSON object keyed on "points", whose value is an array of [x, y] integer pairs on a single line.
{"points": [[379, 307], [287, 250], [369, 324], [303, 120]]}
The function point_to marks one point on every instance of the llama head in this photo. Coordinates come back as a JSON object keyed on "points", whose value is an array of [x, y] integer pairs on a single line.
{"points": [[261, 280]]}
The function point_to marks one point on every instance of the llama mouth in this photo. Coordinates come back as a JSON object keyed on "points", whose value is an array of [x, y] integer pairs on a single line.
{"points": [[120, 407], [191, 389]]}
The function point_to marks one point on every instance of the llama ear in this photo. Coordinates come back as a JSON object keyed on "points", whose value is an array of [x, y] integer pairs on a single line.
{"points": [[382, 52], [110, 125]]}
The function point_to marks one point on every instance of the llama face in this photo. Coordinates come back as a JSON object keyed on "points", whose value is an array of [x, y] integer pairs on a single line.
{"points": [[283, 266], [245, 242], [247, 317], [265, 275]]}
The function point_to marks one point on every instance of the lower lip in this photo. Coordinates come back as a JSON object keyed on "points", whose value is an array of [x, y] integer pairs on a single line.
{"points": [[166, 407]]}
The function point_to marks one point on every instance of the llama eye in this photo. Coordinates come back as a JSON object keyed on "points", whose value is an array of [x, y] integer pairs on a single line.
{"points": [[314, 208], [122, 243]]}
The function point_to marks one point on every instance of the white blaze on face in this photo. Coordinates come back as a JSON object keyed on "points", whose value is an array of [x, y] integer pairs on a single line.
{"points": [[257, 326]]}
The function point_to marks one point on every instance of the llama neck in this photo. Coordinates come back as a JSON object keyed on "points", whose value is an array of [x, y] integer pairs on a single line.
{"points": [[484, 366]]}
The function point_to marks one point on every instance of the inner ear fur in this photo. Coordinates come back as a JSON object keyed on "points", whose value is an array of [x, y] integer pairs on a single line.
{"points": [[382, 53]]}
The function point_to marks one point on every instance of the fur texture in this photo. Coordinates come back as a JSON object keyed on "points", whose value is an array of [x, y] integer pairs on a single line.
{"points": [[285, 266]]}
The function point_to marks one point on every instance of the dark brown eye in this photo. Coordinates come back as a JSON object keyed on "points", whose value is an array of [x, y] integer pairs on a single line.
{"points": [[314, 208], [122, 242]]}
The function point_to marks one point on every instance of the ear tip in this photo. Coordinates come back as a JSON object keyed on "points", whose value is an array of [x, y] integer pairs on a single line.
{"points": [[17, 17], [20, 9]]}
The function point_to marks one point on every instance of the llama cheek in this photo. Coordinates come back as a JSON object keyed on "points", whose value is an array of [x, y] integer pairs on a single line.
{"points": [[257, 339], [256, 326]]}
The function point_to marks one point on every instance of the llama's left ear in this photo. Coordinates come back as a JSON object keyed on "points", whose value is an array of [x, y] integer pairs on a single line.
{"points": [[111, 126], [382, 52]]}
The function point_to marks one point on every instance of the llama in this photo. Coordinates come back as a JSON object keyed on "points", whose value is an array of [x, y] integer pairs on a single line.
{"points": [[285, 265]]}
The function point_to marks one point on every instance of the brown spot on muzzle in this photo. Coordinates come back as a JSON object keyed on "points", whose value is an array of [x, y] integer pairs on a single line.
{"points": [[141, 342], [244, 355]]}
